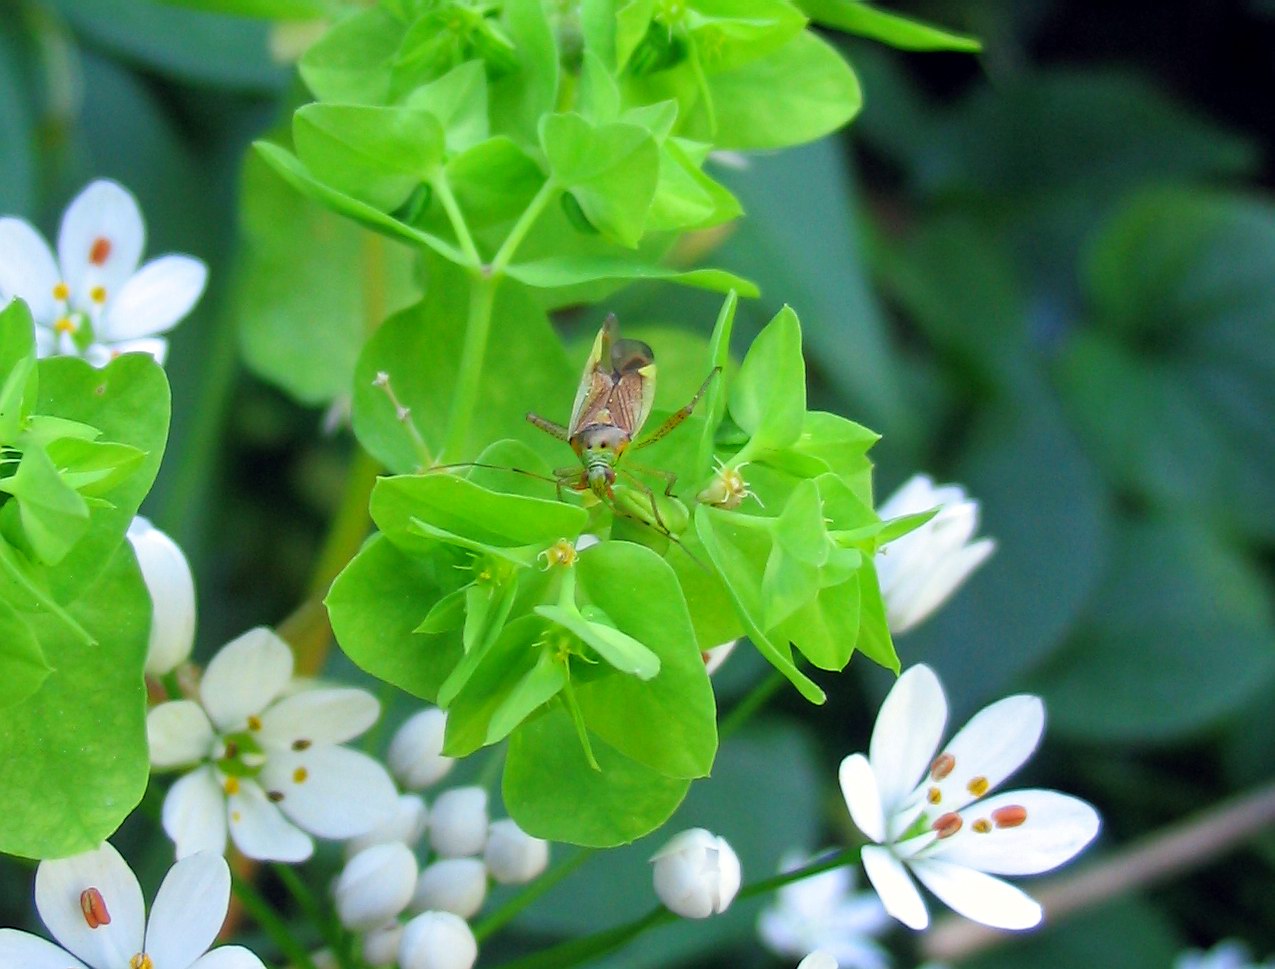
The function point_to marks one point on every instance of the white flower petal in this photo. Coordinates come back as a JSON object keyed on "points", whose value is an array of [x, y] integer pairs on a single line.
{"points": [[895, 889], [921, 590], [100, 354], [318, 717], [155, 299], [456, 885], [915, 494], [260, 830], [22, 950], [229, 957], [416, 751], [46, 342], [407, 824], [194, 813], [977, 896], [178, 732], [333, 792], [27, 269], [994, 744], [189, 910], [863, 798], [819, 959], [101, 239], [1056, 828], [58, 888], [906, 735], [172, 591], [375, 885], [245, 675]]}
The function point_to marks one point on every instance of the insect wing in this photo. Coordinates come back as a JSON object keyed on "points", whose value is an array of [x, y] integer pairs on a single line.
{"points": [[634, 392], [595, 382]]}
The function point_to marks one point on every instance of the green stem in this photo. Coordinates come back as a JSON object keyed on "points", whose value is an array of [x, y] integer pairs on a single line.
{"points": [[505, 254], [482, 294], [750, 704], [274, 926], [309, 905], [457, 219], [531, 893], [576, 951]]}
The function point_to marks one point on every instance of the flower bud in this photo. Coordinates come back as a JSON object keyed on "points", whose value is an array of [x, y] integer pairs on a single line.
{"points": [[458, 823], [696, 874], [514, 857], [172, 591], [819, 959], [405, 825], [437, 940], [416, 752], [380, 946], [375, 885], [919, 571], [456, 885]]}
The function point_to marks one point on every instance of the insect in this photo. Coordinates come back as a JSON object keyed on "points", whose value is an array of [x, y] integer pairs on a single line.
{"points": [[617, 391]]}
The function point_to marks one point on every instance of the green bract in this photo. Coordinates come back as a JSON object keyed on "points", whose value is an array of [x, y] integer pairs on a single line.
{"points": [[536, 156], [80, 448]]}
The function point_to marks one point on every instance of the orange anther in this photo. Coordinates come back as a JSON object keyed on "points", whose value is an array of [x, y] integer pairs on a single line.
{"points": [[93, 905], [100, 251], [947, 824], [1010, 816], [942, 766]]}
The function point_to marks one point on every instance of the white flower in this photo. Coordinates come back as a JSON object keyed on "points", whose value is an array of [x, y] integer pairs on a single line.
{"points": [[92, 904], [375, 885], [824, 912], [92, 301], [406, 825], [268, 765], [172, 591], [456, 885], [1225, 955], [927, 815], [437, 940], [715, 657], [819, 959], [514, 857], [919, 571], [696, 874], [416, 752], [458, 823], [380, 946]]}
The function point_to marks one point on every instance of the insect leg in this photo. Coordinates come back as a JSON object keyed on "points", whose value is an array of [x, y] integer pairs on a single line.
{"points": [[549, 427], [677, 416]]}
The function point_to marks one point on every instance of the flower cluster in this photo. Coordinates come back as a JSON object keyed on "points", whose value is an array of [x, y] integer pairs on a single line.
{"points": [[92, 300]]}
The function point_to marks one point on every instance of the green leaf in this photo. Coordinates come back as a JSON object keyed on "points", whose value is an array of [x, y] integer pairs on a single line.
{"points": [[73, 755], [458, 100], [299, 177], [611, 169], [686, 198], [620, 650], [265, 9], [668, 723], [1143, 663], [419, 349], [493, 182], [377, 603], [18, 380], [800, 92], [93, 467], [23, 666], [333, 292], [128, 401], [599, 95], [843, 446], [352, 61], [522, 97], [464, 508], [551, 791], [768, 395], [375, 154], [857, 17], [556, 271]]}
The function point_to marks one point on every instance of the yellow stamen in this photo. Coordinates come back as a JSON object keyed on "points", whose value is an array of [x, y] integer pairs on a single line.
{"points": [[300, 774], [254, 723], [141, 961], [65, 325], [978, 786], [982, 825], [98, 295], [934, 795], [231, 786], [62, 292]]}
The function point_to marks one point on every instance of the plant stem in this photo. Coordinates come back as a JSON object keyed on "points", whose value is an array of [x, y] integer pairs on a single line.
{"points": [[511, 909], [482, 294], [274, 926], [309, 905], [1172, 850], [457, 218], [750, 704], [504, 255], [575, 951]]}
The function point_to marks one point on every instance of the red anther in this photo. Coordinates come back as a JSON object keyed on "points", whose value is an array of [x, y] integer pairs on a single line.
{"points": [[1009, 816], [93, 905], [100, 251], [947, 824], [942, 766]]}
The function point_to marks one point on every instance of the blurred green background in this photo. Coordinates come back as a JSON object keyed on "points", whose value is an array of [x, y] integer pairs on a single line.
{"points": [[1047, 272]]}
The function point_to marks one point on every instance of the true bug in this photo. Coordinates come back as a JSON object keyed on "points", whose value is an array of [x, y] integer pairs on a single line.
{"points": [[616, 393]]}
